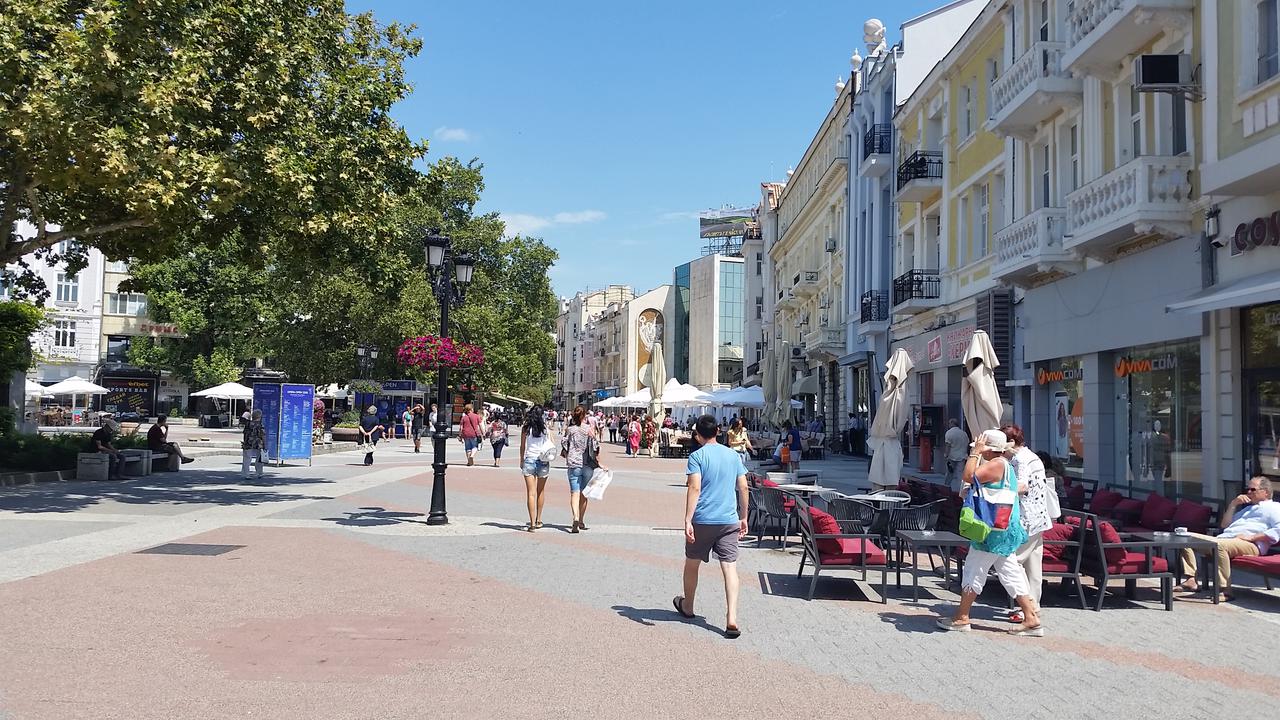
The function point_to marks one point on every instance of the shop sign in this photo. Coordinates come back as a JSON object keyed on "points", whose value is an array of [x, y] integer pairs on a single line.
{"points": [[155, 329], [935, 349], [1066, 374], [946, 346], [1126, 366], [1261, 231], [400, 386]]}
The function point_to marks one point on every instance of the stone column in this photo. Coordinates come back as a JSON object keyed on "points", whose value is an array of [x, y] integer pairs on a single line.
{"points": [[1100, 406]]}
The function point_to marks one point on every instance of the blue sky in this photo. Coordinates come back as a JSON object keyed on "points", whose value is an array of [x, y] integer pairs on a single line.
{"points": [[604, 128]]}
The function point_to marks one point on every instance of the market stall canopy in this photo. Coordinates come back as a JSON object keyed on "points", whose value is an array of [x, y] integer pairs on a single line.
{"points": [[75, 386], [226, 391], [332, 392]]}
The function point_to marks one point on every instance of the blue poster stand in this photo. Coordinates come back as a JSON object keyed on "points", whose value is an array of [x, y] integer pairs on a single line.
{"points": [[266, 397], [296, 421]]}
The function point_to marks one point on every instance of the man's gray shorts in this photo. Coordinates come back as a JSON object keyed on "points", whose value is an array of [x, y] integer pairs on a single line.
{"points": [[723, 539]]}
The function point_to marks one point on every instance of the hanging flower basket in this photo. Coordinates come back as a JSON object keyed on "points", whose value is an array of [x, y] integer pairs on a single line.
{"points": [[431, 352]]}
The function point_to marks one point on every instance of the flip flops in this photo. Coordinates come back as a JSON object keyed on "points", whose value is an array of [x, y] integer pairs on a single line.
{"points": [[678, 602], [732, 632]]}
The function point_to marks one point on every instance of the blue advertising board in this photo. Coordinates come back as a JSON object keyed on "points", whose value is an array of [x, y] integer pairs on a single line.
{"points": [[296, 421], [389, 386], [266, 397]]}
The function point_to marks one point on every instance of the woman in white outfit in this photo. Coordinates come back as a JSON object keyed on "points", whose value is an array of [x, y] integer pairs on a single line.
{"points": [[1033, 493]]}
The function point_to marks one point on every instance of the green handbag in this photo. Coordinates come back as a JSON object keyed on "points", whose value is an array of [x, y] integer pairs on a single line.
{"points": [[971, 528]]}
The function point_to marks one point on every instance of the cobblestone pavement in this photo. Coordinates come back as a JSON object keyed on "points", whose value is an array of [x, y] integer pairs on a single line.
{"points": [[336, 600]]}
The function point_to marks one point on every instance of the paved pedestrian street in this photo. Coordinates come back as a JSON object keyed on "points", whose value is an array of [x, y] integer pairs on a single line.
{"points": [[320, 592]]}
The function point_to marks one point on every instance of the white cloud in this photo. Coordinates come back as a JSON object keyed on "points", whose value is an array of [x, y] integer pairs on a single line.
{"points": [[526, 224], [448, 134], [683, 215], [575, 218]]}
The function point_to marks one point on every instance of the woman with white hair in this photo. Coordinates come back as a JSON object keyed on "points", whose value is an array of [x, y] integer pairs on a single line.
{"points": [[252, 444], [987, 470], [370, 432]]}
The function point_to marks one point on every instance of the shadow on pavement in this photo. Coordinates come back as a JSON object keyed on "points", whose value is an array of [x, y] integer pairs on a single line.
{"points": [[375, 517], [168, 489], [911, 623], [650, 617], [830, 587], [523, 527]]}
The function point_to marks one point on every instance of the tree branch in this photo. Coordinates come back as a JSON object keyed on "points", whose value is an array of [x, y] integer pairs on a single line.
{"points": [[45, 239]]}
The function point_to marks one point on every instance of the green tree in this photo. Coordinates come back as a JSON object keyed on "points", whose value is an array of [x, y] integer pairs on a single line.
{"points": [[132, 125], [220, 367], [18, 320]]}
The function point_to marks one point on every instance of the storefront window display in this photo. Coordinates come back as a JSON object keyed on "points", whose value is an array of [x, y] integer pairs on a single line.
{"points": [[1064, 382], [1262, 389], [1158, 430]]}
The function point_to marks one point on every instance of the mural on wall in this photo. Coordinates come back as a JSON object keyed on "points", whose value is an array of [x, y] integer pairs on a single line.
{"points": [[649, 330]]}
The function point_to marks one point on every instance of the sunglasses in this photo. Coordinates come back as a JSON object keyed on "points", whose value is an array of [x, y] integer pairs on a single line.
{"points": [[1249, 489]]}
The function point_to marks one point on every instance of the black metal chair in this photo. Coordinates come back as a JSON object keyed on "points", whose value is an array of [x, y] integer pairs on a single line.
{"points": [[827, 561], [919, 518], [854, 516], [773, 512]]}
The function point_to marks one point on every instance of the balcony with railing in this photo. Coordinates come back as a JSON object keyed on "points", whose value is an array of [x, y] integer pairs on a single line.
{"points": [[825, 342], [787, 300], [1029, 250], [1102, 34], [877, 150], [916, 291], [805, 283], [920, 176], [875, 307], [1032, 90], [1148, 197]]}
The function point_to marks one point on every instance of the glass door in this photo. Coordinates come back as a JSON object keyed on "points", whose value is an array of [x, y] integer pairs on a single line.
{"points": [[1262, 428]]}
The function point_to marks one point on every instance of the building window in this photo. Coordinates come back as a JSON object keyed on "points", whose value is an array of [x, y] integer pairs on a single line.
{"points": [[966, 252], [1268, 40], [1045, 17], [1045, 185], [134, 304], [993, 74], [118, 348], [68, 288], [981, 224], [1135, 121], [118, 266], [759, 308], [1074, 142], [759, 263], [966, 110], [1179, 122], [64, 333]]}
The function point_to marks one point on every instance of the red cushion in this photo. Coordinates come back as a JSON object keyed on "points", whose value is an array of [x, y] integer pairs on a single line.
{"points": [[1114, 555], [825, 524], [1135, 562], [766, 482], [1075, 495], [1126, 509], [1060, 532], [1104, 501], [1265, 564], [1057, 566], [1157, 511], [851, 552], [1192, 516]]}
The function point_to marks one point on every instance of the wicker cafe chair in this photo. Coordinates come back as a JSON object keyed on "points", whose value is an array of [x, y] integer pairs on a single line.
{"points": [[774, 511]]}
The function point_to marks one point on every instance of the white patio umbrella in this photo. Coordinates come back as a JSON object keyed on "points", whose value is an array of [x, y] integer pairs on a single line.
{"points": [[227, 391], [74, 386], [884, 440], [769, 372], [34, 389], [657, 380], [979, 394]]}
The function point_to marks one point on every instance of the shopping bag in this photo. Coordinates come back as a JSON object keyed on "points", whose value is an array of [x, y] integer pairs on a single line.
{"points": [[972, 528], [995, 505], [595, 488]]}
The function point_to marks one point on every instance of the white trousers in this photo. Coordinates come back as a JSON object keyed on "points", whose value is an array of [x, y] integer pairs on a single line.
{"points": [[247, 456], [1031, 557], [979, 563]]}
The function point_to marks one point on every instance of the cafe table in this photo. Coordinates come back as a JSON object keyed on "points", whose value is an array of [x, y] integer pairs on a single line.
{"points": [[915, 539], [1168, 542]]}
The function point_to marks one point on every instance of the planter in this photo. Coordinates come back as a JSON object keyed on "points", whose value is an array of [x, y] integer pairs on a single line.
{"points": [[341, 434]]}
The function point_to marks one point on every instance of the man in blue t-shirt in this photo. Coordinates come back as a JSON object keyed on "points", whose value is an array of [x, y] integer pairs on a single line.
{"points": [[715, 517]]}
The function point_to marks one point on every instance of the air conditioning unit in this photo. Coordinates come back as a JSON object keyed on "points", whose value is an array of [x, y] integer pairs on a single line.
{"points": [[831, 245], [1163, 73]]}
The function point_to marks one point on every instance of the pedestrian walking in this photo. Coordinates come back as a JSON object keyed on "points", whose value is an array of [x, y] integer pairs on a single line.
{"points": [[715, 519], [1033, 499], [987, 467], [497, 436], [651, 435], [417, 423], [406, 419], [253, 442], [537, 450], [613, 428], [633, 436], [469, 433], [738, 440], [371, 430], [580, 449], [957, 449]]}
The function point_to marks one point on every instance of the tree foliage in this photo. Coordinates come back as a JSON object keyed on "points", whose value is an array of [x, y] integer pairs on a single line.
{"points": [[132, 125], [18, 320]]}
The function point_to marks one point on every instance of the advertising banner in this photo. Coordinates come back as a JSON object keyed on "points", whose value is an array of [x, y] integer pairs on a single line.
{"points": [[125, 395], [296, 421], [266, 397], [728, 222]]}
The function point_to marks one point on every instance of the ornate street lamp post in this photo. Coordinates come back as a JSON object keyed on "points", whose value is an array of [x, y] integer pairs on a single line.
{"points": [[444, 267]]}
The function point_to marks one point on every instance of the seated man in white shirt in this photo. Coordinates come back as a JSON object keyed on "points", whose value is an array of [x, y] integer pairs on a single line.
{"points": [[1251, 526]]}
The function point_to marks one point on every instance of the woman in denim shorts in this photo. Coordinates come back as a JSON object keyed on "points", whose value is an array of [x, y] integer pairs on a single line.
{"points": [[579, 447], [537, 450]]}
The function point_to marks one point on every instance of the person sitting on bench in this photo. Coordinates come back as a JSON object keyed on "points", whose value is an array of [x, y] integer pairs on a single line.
{"points": [[158, 439], [100, 442]]}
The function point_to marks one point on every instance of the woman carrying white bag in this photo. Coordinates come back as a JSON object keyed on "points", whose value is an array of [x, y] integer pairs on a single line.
{"points": [[580, 449], [1037, 516]]}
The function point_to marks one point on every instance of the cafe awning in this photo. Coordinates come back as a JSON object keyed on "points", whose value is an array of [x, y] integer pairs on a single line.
{"points": [[807, 385], [1253, 290]]}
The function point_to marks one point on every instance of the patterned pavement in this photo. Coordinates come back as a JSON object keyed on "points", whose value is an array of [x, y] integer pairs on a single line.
{"points": [[341, 603]]}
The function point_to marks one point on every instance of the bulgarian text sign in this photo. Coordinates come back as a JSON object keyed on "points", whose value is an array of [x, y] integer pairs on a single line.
{"points": [[266, 397], [296, 421]]}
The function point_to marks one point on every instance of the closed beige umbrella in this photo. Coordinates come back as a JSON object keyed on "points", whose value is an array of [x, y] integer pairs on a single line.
{"points": [[979, 394], [884, 439], [657, 380], [769, 375], [782, 404]]}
